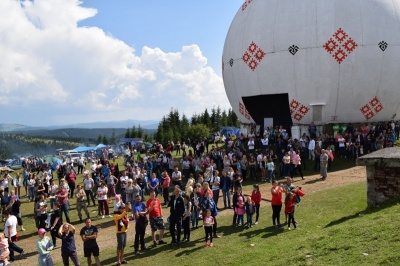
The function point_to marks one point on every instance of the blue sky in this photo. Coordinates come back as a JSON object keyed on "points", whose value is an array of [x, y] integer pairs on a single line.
{"points": [[97, 60], [167, 24]]}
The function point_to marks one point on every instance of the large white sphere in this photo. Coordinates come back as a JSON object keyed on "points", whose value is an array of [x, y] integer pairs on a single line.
{"points": [[328, 61]]}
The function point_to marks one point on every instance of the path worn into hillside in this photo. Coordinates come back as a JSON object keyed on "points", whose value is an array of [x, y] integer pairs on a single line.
{"points": [[107, 229]]}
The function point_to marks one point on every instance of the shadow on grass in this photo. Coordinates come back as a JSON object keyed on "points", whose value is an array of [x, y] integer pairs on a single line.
{"points": [[368, 210], [265, 232]]}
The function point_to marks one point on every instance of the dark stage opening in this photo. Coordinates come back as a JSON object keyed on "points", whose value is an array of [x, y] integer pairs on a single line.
{"points": [[274, 106]]}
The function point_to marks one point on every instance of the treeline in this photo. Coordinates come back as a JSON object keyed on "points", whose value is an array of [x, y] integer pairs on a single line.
{"points": [[176, 127], [19, 145]]}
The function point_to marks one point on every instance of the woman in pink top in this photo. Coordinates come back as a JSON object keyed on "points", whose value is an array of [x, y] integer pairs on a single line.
{"points": [[297, 165], [240, 210]]}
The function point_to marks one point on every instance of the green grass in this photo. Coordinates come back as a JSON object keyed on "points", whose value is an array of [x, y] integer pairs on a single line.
{"points": [[335, 229]]}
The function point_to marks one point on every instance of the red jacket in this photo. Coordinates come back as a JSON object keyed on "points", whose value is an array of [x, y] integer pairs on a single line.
{"points": [[256, 197]]}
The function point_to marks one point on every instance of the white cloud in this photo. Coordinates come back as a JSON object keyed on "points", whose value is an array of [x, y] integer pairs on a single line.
{"points": [[81, 74]]}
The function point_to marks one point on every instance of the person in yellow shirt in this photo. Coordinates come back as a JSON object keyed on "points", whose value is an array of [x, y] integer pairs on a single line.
{"points": [[121, 223]]}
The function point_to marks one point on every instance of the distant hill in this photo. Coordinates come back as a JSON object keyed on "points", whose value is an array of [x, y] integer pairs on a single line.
{"points": [[124, 124], [87, 133]]}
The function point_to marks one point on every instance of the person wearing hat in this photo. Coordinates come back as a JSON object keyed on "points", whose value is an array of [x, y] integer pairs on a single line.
{"points": [[44, 246]]}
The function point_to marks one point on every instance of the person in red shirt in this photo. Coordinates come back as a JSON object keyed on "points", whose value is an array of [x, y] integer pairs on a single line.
{"points": [[276, 203], [71, 179], [290, 200], [156, 220], [165, 186], [256, 197]]}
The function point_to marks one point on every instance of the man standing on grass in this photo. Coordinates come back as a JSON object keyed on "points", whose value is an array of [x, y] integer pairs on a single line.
{"points": [[10, 232], [156, 219], [89, 235], [89, 185], [140, 212], [324, 164], [177, 209], [62, 198]]}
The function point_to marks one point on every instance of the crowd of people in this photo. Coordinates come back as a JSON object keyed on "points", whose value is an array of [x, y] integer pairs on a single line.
{"points": [[205, 174]]}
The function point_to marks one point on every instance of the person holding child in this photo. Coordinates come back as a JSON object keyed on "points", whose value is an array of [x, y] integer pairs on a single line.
{"points": [[207, 203]]}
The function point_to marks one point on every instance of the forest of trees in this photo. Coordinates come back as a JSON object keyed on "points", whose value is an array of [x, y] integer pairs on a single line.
{"points": [[176, 127]]}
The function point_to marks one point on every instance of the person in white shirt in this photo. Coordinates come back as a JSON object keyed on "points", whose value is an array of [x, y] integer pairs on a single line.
{"points": [[215, 182], [251, 145], [102, 200], [265, 142], [311, 148], [123, 181], [177, 178], [88, 187], [10, 232]]}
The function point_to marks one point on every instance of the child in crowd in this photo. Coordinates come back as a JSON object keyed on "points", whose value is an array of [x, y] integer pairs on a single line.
{"points": [[4, 251], [249, 211], [186, 218], [290, 201], [118, 202], [208, 222], [240, 210], [271, 169]]}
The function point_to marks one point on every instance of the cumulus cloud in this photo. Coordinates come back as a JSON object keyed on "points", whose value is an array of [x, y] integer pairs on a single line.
{"points": [[59, 73]]}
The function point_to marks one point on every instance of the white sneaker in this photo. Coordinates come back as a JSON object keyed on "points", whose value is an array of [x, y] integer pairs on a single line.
{"points": [[102, 217], [256, 223], [109, 216], [288, 228]]}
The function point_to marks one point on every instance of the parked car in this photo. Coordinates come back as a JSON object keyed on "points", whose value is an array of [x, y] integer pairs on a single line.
{"points": [[15, 164]]}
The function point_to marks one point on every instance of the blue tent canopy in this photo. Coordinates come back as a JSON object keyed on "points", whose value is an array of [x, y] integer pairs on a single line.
{"points": [[84, 148], [101, 145], [230, 131]]}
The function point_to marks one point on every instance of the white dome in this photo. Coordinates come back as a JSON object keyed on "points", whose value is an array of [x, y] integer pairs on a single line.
{"points": [[328, 61]]}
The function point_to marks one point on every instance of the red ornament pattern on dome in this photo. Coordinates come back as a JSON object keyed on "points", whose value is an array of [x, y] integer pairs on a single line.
{"points": [[372, 108], [298, 116], [253, 56], [245, 4], [243, 111], [304, 110], [340, 46], [298, 110]]}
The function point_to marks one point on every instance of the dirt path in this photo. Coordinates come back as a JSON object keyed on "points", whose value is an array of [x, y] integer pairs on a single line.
{"points": [[107, 229]]}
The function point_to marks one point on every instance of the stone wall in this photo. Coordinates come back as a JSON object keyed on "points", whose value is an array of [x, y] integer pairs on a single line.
{"points": [[383, 175], [383, 183]]}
